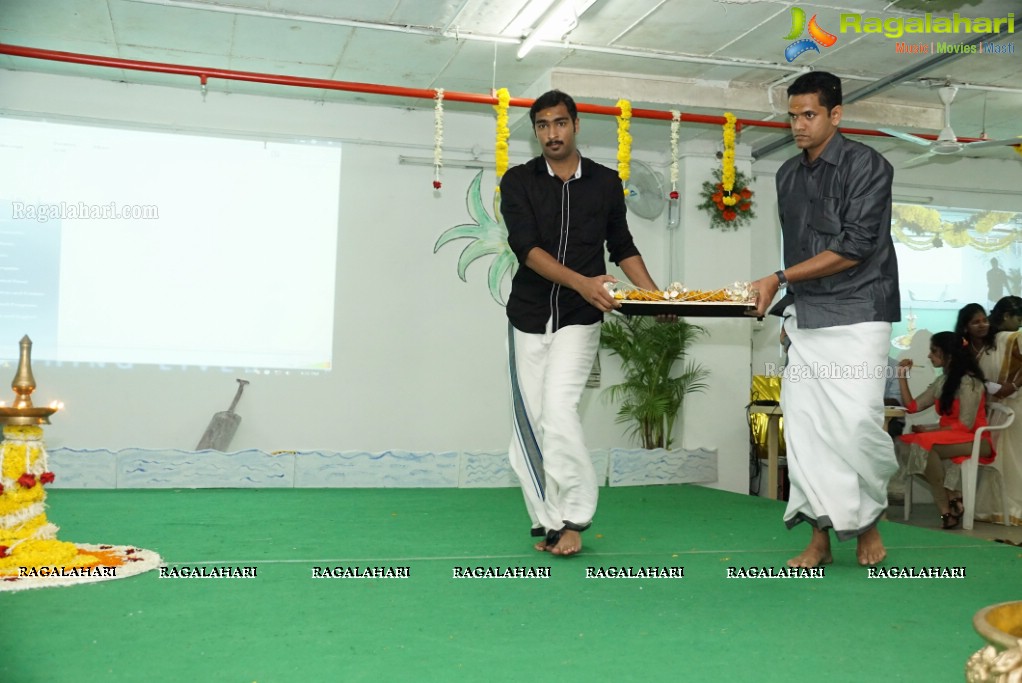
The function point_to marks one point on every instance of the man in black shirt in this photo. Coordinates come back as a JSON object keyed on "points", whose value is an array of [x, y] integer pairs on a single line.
{"points": [[560, 210], [841, 274]]}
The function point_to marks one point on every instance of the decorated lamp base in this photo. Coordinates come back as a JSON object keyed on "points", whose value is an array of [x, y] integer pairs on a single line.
{"points": [[30, 554]]}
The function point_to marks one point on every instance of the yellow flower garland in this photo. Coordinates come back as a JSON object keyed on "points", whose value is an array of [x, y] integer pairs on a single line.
{"points": [[727, 177], [624, 142], [503, 133], [17, 498], [44, 553], [29, 542]]}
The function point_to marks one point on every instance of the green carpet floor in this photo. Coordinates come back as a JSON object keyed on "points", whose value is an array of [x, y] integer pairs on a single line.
{"points": [[286, 626]]}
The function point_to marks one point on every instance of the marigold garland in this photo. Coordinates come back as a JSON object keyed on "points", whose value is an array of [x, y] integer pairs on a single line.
{"points": [[28, 538], [722, 215], [624, 142], [727, 163], [503, 133], [438, 137], [24, 529], [675, 126]]}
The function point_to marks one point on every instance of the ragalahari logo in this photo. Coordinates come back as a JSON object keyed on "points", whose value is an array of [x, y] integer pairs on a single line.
{"points": [[817, 36]]}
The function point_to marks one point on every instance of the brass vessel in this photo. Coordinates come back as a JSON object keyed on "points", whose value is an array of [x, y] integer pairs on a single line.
{"points": [[22, 412]]}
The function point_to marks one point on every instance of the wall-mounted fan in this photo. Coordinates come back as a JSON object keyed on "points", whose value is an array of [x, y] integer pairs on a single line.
{"points": [[645, 196], [947, 142]]}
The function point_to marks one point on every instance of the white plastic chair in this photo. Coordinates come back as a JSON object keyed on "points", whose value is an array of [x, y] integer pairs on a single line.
{"points": [[1003, 416], [970, 468]]}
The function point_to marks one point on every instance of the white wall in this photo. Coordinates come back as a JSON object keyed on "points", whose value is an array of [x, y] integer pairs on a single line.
{"points": [[418, 355], [419, 359]]}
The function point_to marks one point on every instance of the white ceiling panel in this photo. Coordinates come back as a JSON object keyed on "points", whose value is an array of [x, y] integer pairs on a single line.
{"points": [[153, 26], [87, 20], [736, 44], [413, 61], [288, 41], [605, 22]]}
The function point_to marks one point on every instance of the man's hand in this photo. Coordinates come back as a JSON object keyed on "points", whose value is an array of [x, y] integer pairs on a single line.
{"points": [[766, 289], [593, 291]]}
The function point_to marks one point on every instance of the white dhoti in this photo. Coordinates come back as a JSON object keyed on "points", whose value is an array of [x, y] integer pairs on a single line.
{"points": [[548, 373], [839, 456]]}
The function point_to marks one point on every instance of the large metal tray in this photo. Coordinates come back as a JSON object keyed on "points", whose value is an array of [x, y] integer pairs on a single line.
{"points": [[690, 309]]}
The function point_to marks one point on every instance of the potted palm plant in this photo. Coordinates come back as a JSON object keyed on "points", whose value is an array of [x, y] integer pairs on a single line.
{"points": [[650, 396]]}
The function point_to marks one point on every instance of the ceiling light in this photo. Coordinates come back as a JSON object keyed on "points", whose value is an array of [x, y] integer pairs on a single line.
{"points": [[556, 23], [527, 17]]}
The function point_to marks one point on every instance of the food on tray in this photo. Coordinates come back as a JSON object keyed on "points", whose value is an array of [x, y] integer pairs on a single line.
{"points": [[739, 292]]}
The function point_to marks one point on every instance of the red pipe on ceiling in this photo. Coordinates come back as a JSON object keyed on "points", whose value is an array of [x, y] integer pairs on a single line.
{"points": [[203, 74]]}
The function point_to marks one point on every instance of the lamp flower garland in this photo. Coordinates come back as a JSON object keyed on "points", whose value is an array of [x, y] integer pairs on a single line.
{"points": [[675, 126], [438, 138], [729, 199], [503, 133], [624, 142]]}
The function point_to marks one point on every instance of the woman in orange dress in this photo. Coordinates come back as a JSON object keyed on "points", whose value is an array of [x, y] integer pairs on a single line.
{"points": [[959, 398]]}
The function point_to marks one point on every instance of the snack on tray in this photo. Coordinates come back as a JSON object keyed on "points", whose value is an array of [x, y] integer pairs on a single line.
{"points": [[739, 292]]}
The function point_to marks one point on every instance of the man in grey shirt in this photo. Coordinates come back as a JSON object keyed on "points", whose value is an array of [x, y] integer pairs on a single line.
{"points": [[841, 275]]}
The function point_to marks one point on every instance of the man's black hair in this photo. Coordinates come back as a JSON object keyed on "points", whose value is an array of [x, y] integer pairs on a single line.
{"points": [[552, 99], [826, 85]]}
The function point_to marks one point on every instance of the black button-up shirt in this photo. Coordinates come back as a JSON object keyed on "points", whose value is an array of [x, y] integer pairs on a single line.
{"points": [[842, 203], [571, 221]]}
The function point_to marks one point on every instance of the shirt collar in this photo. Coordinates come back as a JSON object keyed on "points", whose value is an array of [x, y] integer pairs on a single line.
{"points": [[578, 169], [831, 153]]}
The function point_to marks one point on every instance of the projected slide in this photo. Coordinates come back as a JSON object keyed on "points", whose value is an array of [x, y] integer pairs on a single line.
{"points": [[950, 257], [29, 281], [140, 247]]}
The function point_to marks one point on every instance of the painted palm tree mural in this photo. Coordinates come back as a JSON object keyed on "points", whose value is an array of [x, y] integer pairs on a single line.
{"points": [[487, 235]]}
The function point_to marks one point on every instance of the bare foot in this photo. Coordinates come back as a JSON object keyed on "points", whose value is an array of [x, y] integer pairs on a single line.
{"points": [[550, 539], [570, 543], [816, 553], [870, 548]]}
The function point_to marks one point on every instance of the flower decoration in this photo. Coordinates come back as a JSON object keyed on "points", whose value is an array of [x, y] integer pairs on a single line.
{"points": [[438, 137], [624, 142], [27, 480], [47, 477], [723, 215], [3, 550], [503, 133], [727, 163], [675, 126], [922, 228]]}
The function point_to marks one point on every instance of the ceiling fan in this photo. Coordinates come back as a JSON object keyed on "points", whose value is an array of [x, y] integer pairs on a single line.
{"points": [[947, 142]]}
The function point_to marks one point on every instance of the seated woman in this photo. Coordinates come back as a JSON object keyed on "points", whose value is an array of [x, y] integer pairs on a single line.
{"points": [[1001, 363], [999, 353], [959, 397], [974, 328]]}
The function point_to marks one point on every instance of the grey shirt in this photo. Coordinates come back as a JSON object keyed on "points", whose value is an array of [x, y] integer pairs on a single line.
{"points": [[840, 203]]}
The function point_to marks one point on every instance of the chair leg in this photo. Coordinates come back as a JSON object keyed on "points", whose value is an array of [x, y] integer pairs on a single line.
{"points": [[1005, 512], [969, 477], [909, 480]]}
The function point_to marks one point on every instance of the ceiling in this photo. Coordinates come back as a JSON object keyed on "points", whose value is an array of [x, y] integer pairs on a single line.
{"points": [[700, 56]]}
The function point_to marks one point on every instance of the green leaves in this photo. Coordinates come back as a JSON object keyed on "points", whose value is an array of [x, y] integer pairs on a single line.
{"points": [[650, 397]]}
